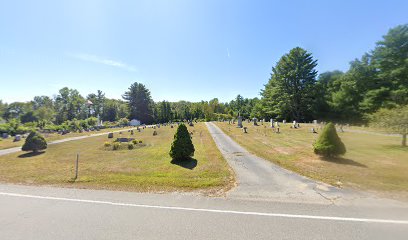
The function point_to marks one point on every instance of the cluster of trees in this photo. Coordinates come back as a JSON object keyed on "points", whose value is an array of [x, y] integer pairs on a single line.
{"points": [[379, 79], [295, 91]]}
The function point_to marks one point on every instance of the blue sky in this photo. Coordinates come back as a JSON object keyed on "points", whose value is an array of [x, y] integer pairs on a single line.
{"points": [[181, 50]]}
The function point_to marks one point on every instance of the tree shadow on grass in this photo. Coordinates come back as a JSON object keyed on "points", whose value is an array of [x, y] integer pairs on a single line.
{"points": [[30, 154], [189, 163], [344, 161]]}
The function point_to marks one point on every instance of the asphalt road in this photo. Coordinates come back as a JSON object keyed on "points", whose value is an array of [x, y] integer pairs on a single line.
{"points": [[281, 206], [54, 213]]}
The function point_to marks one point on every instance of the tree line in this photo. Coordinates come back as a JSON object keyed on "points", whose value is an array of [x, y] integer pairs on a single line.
{"points": [[294, 91]]}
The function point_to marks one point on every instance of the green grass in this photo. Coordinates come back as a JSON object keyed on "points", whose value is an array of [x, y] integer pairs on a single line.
{"points": [[145, 168], [372, 162], [9, 142]]}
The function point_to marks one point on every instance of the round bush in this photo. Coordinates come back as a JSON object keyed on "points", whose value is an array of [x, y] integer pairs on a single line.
{"points": [[182, 147], [107, 144], [134, 141], [34, 142], [116, 146], [329, 144], [131, 146]]}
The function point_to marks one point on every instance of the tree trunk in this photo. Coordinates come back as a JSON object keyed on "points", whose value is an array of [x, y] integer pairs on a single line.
{"points": [[404, 139]]}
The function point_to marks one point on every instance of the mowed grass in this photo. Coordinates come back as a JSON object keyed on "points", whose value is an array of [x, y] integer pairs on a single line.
{"points": [[146, 168], [372, 162], [9, 142]]}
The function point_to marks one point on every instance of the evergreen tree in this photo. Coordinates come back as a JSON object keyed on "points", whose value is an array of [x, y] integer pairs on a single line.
{"points": [[329, 144], [182, 147], [290, 92], [140, 103], [34, 142]]}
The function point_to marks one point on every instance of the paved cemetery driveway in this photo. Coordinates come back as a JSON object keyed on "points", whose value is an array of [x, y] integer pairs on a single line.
{"points": [[260, 179]]}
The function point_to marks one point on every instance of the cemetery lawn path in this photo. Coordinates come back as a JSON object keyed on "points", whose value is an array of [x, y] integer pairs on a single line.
{"points": [[258, 178]]}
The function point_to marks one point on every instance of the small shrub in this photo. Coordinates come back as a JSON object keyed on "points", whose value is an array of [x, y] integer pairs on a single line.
{"points": [[107, 144], [329, 144], [34, 142], [116, 145], [182, 147], [140, 141], [134, 141], [131, 146], [155, 133]]}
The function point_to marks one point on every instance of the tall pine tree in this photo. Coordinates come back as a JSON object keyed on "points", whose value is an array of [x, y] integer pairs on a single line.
{"points": [[290, 92], [140, 103]]}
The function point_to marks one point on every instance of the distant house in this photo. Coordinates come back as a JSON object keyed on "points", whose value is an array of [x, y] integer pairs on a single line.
{"points": [[134, 122]]}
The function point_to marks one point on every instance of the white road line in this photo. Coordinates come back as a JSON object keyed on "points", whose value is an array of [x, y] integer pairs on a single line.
{"points": [[347, 219]]}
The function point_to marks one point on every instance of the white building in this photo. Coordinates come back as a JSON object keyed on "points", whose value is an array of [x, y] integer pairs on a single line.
{"points": [[134, 122]]}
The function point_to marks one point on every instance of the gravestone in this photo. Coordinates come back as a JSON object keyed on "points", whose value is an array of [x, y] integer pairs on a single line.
{"points": [[244, 130], [248, 120], [110, 135], [239, 121], [315, 122], [131, 132], [272, 123], [255, 121], [17, 138], [124, 139], [5, 135], [284, 121]]}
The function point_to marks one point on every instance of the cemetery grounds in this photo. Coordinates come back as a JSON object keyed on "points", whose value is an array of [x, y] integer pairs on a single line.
{"points": [[374, 162], [147, 167]]}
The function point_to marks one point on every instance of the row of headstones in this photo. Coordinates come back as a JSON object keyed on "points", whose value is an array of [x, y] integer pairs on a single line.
{"points": [[17, 137]]}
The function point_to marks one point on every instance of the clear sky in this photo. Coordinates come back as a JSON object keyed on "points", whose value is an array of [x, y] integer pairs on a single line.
{"points": [[181, 50]]}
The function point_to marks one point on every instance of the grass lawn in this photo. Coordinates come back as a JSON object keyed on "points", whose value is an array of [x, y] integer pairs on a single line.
{"points": [[9, 143], [146, 168], [372, 162]]}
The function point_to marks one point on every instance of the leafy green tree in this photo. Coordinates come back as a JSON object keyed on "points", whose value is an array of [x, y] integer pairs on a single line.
{"points": [[140, 103], [329, 144], [390, 59], [393, 120], [69, 104], [290, 92], [28, 117], [34, 142], [182, 147]]}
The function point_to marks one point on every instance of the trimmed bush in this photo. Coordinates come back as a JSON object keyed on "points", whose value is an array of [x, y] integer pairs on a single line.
{"points": [[140, 141], [182, 147], [131, 146], [116, 146], [134, 141], [107, 144], [329, 144], [34, 142]]}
